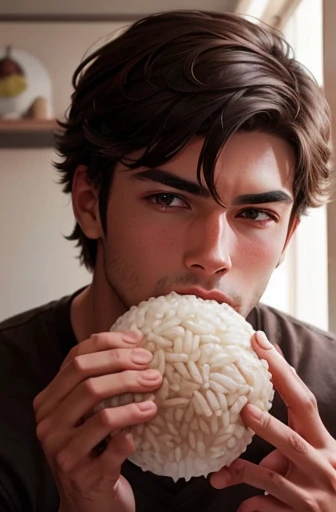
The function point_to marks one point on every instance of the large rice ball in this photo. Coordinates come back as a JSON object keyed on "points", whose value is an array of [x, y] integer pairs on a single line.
{"points": [[210, 371]]}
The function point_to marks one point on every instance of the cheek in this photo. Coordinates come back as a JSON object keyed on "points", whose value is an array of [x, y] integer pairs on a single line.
{"points": [[146, 236], [262, 253]]}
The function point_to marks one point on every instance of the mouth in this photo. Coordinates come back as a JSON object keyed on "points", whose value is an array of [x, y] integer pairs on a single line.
{"points": [[216, 295]]}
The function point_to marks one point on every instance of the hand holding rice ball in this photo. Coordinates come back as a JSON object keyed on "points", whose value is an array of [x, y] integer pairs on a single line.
{"points": [[210, 372]]}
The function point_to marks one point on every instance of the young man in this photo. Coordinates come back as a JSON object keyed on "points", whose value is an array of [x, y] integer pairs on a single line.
{"points": [[193, 144]]}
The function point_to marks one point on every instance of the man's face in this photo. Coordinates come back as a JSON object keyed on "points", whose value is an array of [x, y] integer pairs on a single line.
{"points": [[163, 235]]}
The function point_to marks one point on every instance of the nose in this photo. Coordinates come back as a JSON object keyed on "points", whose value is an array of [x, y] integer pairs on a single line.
{"points": [[209, 246]]}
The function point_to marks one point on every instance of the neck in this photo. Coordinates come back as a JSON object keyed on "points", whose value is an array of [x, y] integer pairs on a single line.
{"points": [[96, 308]]}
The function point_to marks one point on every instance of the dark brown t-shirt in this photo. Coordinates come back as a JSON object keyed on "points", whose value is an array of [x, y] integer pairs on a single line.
{"points": [[32, 348]]}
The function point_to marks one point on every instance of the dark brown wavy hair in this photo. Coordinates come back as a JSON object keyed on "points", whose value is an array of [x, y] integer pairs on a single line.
{"points": [[175, 75]]}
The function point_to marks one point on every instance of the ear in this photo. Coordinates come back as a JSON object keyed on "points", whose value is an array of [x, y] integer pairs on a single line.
{"points": [[85, 204], [291, 230]]}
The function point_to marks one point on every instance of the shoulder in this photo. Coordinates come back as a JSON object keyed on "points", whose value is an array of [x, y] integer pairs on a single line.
{"points": [[25, 320], [303, 345], [50, 321], [34, 343], [23, 334], [310, 350], [279, 324]]}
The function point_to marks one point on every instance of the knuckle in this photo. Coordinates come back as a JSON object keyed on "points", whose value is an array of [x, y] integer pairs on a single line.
{"points": [[63, 463], [311, 505], [91, 389], [42, 430], [72, 354], [96, 339], [238, 469], [332, 482], [106, 417], [115, 356], [309, 401], [275, 478], [36, 402], [78, 364], [297, 443]]}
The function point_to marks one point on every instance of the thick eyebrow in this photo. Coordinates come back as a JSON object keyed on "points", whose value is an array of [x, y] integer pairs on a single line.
{"points": [[172, 180], [273, 196]]}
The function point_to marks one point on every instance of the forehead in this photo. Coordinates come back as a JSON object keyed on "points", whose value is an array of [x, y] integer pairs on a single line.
{"points": [[247, 157]]}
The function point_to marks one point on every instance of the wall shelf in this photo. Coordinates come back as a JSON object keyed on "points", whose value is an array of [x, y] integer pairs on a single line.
{"points": [[27, 133]]}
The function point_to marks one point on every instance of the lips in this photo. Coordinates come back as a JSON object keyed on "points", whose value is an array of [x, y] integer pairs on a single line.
{"points": [[216, 295]]}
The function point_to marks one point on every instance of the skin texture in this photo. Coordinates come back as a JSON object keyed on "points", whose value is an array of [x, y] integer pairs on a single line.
{"points": [[299, 475], [161, 239], [187, 241]]}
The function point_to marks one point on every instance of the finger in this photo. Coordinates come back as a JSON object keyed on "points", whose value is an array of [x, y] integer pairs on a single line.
{"points": [[277, 347], [98, 427], [96, 343], [117, 451], [105, 469], [263, 504], [84, 366], [243, 471], [91, 392], [287, 441], [104, 341], [277, 462], [298, 398]]}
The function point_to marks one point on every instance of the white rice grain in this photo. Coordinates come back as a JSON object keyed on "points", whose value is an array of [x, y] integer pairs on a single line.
{"points": [[204, 406], [192, 439], [176, 402], [217, 388], [204, 426], [194, 372], [210, 371], [182, 370], [212, 400], [177, 358], [188, 342], [238, 405], [178, 345], [225, 381]]}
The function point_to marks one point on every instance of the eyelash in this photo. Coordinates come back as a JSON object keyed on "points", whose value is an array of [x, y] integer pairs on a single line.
{"points": [[170, 195], [271, 216], [164, 208]]}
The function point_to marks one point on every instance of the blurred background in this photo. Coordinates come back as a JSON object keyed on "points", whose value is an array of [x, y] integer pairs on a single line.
{"points": [[41, 44]]}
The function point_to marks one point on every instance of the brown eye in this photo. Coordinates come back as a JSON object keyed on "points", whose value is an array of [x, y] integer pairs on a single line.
{"points": [[167, 200], [164, 199], [257, 215]]}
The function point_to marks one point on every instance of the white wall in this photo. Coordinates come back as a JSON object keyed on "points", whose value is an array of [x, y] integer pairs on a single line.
{"points": [[36, 263]]}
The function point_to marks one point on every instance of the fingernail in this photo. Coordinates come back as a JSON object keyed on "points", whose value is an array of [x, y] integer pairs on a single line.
{"points": [[149, 375], [132, 336], [263, 341], [146, 406], [141, 356]]}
